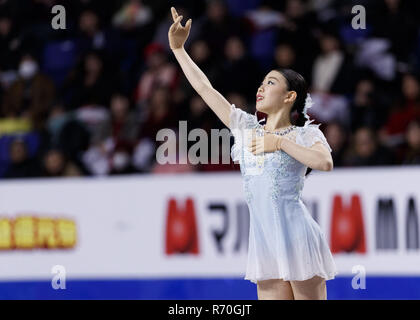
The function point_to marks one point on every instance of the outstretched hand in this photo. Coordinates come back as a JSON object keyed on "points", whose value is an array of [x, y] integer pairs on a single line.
{"points": [[177, 33]]}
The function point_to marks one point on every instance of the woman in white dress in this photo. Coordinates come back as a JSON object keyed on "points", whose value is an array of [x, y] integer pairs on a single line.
{"points": [[288, 256]]}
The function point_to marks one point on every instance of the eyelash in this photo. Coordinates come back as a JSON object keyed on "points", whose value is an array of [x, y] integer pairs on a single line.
{"points": [[267, 82]]}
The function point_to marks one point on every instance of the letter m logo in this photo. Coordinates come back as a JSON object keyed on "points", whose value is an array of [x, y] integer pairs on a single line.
{"points": [[347, 228], [181, 229]]}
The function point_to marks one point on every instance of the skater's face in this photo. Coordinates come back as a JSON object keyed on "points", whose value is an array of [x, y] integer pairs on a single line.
{"points": [[273, 93]]}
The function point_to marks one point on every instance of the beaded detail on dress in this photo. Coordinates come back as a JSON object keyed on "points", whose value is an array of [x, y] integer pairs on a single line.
{"points": [[305, 136], [285, 173]]}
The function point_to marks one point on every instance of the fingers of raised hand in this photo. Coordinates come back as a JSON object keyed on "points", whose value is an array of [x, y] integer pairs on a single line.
{"points": [[175, 26], [174, 13], [178, 21], [188, 24]]}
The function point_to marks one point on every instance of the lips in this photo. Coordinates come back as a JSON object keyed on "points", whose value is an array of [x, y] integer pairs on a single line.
{"points": [[259, 97]]}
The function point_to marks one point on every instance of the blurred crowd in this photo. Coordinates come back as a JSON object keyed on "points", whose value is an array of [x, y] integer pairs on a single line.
{"points": [[89, 99]]}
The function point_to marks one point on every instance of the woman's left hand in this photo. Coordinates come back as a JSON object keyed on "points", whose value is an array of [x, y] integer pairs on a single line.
{"points": [[177, 33], [268, 143]]}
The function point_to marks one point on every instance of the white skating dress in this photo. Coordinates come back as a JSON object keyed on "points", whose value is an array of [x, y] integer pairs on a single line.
{"points": [[285, 242]]}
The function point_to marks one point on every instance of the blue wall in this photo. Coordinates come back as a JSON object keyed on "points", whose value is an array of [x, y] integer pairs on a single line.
{"points": [[339, 288]]}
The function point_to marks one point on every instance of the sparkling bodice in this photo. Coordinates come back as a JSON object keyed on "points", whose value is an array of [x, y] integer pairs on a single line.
{"points": [[282, 172]]}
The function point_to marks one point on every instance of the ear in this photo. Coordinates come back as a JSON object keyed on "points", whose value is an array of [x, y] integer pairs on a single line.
{"points": [[290, 97]]}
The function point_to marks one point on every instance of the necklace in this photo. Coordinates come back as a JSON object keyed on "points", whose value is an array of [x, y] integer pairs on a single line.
{"points": [[283, 132]]}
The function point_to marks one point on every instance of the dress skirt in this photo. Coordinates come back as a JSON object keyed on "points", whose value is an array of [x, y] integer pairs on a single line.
{"points": [[285, 242]]}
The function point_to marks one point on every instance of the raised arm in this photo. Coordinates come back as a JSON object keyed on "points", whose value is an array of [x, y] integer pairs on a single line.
{"points": [[177, 35]]}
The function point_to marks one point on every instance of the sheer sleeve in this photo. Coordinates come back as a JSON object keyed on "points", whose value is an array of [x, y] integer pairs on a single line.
{"points": [[239, 121], [311, 134]]}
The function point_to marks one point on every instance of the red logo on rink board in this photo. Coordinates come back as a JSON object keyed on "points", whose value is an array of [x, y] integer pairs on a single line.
{"points": [[347, 228], [181, 230]]}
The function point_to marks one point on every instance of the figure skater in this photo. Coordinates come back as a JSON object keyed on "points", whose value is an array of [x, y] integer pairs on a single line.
{"points": [[288, 256]]}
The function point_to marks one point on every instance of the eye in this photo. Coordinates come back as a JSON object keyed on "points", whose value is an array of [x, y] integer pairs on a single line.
{"points": [[270, 81]]}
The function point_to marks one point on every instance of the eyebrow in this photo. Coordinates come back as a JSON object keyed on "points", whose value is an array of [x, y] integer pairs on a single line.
{"points": [[272, 78]]}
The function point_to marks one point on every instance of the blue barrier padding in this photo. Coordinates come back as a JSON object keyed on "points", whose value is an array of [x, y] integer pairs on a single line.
{"points": [[378, 287]]}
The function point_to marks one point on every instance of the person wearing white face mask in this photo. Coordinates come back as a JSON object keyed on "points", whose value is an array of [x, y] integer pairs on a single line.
{"points": [[28, 68], [30, 95]]}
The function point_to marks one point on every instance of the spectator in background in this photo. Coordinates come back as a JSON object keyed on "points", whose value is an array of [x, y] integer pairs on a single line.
{"points": [[21, 165], [264, 22], [90, 84], [336, 136], [299, 28], [265, 16], [160, 113], [285, 57], [135, 22], [240, 101], [374, 54], [57, 118], [331, 69], [217, 25], [68, 134], [108, 158], [158, 72], [132, 14], [122, 126], [408, 108], [199, 114], [396, 21], [55, 164], [239, 72], [365, 109], [31, 95], [113, 140], [366, 150], [412, 151], [328, 108], [8, 43], [91, 36], [123, 129], [96, 159], [330, 79], [144, 157], [202, 56]]}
